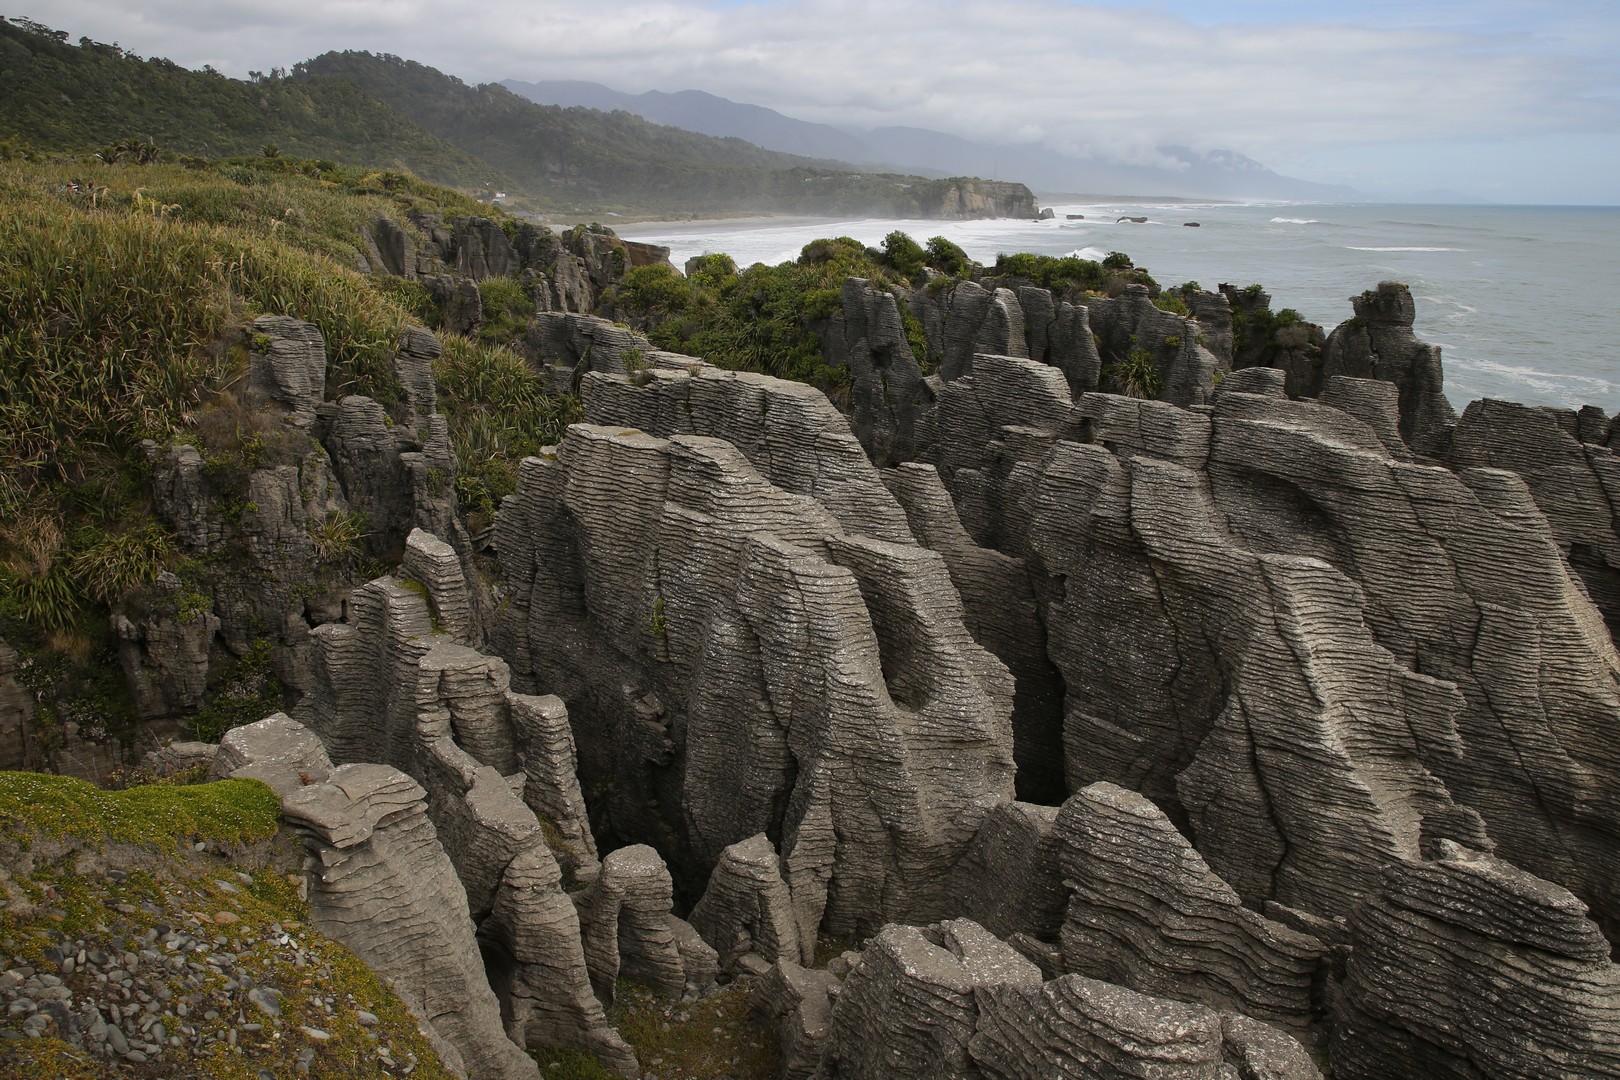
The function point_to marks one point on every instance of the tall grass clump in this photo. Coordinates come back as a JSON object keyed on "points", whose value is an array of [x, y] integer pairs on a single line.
{"points": [[498, 412], [122, 314]]}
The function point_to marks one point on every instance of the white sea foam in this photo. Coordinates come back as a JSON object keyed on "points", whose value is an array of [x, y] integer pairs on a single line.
{"points": [[1295, 221], [1094, 254], [1353, 248]]}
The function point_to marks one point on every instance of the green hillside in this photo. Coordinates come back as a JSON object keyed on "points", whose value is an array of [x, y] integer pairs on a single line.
{"points": [[380, 111], [57, 95]]}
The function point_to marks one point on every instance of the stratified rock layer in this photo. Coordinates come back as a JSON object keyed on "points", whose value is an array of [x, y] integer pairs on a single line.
{"points": [[1468, 967], [749, 641], [1146, 912]]}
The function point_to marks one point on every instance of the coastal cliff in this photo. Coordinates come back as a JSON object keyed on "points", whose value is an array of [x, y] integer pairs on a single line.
{"points": [[1097, 679]]}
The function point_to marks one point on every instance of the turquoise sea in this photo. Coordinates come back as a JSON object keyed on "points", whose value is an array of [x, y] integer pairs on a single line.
{"points": [[1524, 301]]}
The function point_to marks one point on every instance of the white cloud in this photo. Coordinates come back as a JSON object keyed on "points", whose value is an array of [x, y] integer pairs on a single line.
{"points": [[1126, 79]]}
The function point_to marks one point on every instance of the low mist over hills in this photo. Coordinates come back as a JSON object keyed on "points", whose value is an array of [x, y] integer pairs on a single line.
{"points": [[1187, 172]]}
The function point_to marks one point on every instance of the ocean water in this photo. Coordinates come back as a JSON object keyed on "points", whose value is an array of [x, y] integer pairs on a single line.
{"points": [[1524, 301]]}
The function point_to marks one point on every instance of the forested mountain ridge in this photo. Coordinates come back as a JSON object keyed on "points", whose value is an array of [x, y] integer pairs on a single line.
{"points": [[383, 111]]}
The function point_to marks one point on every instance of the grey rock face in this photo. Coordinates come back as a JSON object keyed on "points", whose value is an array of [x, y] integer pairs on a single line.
{"points": [[1574, 480], [391, 686], [912, 1006], [630, 933], [568, 345], [1466, 967], [1375, 403], [386, 889], [1058, 333], [890, 393], [747, 907], [1146, 912], [278, 751], [165, 658], [973, 319], [1009, 880], [797, 1002], [732, 653], [1170, 548], [1130, 322], [1075, 1026], [285, 522], [394, 247], [953, 1001], [546, 987], [290, 369], [1379, 344], [788, 432], [1003, 616]]}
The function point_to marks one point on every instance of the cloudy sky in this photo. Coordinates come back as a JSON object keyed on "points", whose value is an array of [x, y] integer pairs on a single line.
{"points": [[1509, 100]]}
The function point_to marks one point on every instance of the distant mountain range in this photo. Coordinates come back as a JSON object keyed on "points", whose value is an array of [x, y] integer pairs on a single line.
{"points": [[1213, 174]]}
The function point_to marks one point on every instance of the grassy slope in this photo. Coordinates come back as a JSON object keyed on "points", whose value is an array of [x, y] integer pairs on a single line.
{"points": [[128, 290]]}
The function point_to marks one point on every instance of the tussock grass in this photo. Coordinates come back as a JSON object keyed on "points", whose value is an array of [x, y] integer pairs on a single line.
{"points": [[498, 413], [123, 285]]}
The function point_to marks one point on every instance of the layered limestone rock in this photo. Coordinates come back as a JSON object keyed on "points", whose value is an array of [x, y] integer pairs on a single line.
{"points": [[1573, 477], [386, 889], [1432, 552], [396, 684], [287, 491], [747, 908], [1378, 343], [967, 318], [1468, 967], [289, 368], [750, 642], [1146, 912], [1002, 614], [1130, 324], [889, 394], [787, 431], [630, 933], [540, 967], [913, 1004], [952, 1000], [165, 655], [1208, 581], [569, 345], [1075, 1026], [1058, 333], [1010, 880], [277, 751], [381, 883], [567, 271], [392, 687], [797, 1003]]}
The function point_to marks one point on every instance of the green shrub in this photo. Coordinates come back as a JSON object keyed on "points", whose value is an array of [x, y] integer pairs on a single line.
{"points": [[947, 257], [1172, 303], [1135, 376], [498, 413], [904, 255]]}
